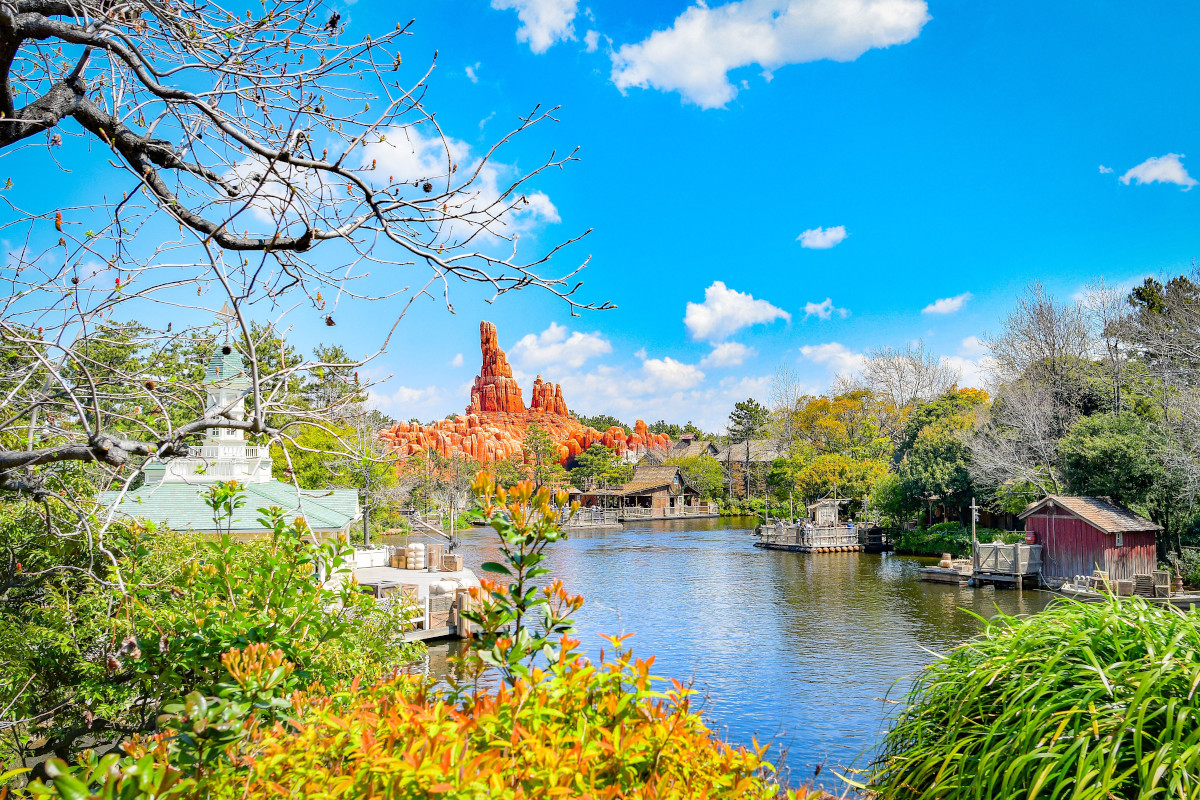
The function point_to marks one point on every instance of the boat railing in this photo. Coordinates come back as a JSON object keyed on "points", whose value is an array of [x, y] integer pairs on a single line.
{"points": [[795, 535]]}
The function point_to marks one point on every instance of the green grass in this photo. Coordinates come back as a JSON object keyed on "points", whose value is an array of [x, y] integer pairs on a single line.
{"points": [[1079, 702]]}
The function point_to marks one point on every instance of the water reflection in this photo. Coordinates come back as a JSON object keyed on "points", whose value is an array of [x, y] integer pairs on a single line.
{"points": [[798, 649]]}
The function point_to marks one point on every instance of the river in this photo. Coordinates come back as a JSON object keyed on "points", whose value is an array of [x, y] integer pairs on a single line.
{"points": [[793, 648]]}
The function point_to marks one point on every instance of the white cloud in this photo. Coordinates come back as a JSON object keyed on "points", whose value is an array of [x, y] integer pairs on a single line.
{"points": [[543, 22], [834, 355], [972, 346], [695, 55], [726, 311], [591, 40], [822, 238], [640, 354], [824, 310], [408, 155], [727, 354], [1160, 169], [668, 374], [473, 72], [557, 345], [457, 361], [404, 402], [1105, 170], [972, 372], [947, 305]]}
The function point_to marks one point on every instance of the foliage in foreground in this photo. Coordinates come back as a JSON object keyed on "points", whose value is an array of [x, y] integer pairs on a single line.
{"points": [[534, 718], [1079, 702], [93, 664]]}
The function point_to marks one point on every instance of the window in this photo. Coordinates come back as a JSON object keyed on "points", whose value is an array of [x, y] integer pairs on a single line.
{"points": [[1120, 540]]}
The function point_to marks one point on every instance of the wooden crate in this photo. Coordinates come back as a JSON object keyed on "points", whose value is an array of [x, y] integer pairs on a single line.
{"points": [[434, 555], [452, 562]]}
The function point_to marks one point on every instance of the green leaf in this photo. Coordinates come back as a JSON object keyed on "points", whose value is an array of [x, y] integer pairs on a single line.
{"points": [[492, 566], [71, 788]]}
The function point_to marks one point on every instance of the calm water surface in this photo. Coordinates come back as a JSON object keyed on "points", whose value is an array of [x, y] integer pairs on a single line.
{"points": [[798, 649]]}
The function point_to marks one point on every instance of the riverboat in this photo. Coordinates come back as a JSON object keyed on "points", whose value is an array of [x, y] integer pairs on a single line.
{"points": [[800, 537]]}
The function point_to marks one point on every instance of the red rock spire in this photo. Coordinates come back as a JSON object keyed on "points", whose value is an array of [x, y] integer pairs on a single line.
{"points": [[495, 389], [496, 423]]}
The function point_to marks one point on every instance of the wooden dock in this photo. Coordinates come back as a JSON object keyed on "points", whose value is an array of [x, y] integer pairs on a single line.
{"points": [[593, 518], [642, 513], [1015, 564]]}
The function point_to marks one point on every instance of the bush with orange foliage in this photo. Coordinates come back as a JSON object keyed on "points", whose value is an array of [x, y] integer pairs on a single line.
{"points": [[553, 724]]}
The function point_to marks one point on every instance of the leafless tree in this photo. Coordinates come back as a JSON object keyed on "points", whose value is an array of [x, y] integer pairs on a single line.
{"points": [[1016, 442], [1040, 335], [262, 161], [786, 394], [908, 375], [1107, 310]]}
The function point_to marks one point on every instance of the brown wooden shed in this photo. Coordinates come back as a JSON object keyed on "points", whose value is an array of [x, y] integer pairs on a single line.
{"points": [[1082, 534]]}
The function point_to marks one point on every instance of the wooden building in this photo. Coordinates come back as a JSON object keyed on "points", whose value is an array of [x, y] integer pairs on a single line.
{"points": [[1082, 534], [688, 446], [655, 492]]}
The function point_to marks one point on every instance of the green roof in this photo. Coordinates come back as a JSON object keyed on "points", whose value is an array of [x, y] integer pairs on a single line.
{"points": [[180, 506], [225, 366]]}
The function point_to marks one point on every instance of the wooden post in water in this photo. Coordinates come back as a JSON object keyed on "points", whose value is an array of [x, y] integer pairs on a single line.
{"points": [[974, 541]]}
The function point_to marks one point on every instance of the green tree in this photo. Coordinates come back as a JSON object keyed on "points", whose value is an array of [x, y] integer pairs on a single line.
{"points": [[1111, 455], [747, 422], [676, 431], [599, 466], [938, 464], [955, 402], [702, 472], [334, 384], [850, 478], [603, 422], [890, 501], [542, 456], [852, 423]]}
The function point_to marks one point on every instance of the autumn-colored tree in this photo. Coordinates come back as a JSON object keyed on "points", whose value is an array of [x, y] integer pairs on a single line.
{"points": [[850, 424], [852, 478]]}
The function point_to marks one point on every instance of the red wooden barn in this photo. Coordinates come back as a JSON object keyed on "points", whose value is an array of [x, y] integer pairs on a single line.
{"points": [[1081, 534]]}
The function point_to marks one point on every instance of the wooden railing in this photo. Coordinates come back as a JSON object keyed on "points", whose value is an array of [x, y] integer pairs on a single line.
{"points": [[669, 512], [593, 518], [800, 536]]}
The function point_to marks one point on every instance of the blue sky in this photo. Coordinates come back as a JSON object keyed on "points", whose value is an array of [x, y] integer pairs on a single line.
{"points": [[962, 161], [943, 151]]}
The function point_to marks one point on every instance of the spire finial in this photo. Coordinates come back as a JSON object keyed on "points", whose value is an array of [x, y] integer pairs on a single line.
{"points": [[226, 315]]}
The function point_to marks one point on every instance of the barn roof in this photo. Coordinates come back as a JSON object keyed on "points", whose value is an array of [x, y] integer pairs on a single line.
{"points": [[1099, 512]]}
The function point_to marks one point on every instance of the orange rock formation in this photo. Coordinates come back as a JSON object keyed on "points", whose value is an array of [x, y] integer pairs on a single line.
{"points": [[496, 420]]}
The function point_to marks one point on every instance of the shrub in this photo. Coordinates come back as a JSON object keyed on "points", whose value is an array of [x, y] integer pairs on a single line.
{"points": [[554, 724], [94, 663], [949, 537], [1079, 702]]}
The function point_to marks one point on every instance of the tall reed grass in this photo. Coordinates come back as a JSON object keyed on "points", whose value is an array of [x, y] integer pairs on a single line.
{"points": [[1079, 702]]}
